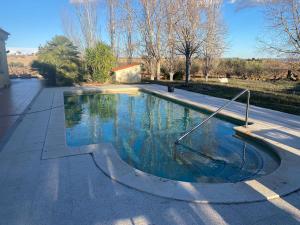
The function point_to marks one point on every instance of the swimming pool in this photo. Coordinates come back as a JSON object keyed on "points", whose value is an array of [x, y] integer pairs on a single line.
{"points": [[143, 128]]}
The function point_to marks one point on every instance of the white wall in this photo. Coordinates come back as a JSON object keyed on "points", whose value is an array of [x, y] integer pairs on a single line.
{"points": [[4, 76], [128, 75]]}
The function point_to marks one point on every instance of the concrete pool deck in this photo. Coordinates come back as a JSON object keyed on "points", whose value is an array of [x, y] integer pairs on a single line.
{"points": [[14, 101], [284, 179], [47, 187]]}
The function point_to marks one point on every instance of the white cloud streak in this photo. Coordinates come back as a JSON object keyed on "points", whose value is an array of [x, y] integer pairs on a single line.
{"points": [[240, 4]]}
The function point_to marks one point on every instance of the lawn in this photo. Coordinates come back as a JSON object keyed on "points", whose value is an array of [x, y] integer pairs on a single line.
{"points": [[278, 95]]}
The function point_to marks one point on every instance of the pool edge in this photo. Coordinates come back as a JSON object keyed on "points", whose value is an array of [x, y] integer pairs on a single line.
{"points": [[266, 183]]}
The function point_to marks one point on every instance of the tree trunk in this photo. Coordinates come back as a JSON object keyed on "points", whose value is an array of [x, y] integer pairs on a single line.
{"points": [[206, 73], [129, 60], [206, 69], [171, 76], [158, 70], [187, 69], [152, 72], [206, 76]]}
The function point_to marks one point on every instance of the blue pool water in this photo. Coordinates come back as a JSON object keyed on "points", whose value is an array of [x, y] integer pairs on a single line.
{"points": [[144, 127]]}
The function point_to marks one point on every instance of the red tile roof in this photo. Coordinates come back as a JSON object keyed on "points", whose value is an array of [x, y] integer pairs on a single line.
{"points": [[124, 67]]}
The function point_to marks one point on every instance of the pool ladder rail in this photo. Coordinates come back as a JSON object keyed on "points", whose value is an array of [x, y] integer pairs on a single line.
{"points": [[219, 110]]}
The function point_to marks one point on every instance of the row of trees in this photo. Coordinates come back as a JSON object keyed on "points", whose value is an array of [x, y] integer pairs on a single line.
{"points": [[231, 68], [159, 31], [155, 30]]}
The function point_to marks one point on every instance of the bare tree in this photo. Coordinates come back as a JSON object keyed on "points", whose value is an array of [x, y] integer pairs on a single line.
{"points": [[112, 24], [172, 6], [86, 13], [188, 31], [147, 33], [284, 26], [127, 22], [70, 31], [214, 36], [151, 32]]}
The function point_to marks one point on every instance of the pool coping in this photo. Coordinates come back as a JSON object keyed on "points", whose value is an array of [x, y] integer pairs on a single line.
{"points": [[282, 181]]}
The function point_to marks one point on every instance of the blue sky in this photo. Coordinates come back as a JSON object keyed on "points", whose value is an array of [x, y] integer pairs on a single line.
{"points": [[32, 22], [244, 29]]}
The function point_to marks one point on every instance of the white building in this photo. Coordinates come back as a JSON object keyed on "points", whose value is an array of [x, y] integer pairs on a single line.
{"points": [[127, 74], [4, 76]]}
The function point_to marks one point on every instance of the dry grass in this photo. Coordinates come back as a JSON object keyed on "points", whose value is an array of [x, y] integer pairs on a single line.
{"points": [[24, 59], [281, 95], [24, 62], [280, 86]]}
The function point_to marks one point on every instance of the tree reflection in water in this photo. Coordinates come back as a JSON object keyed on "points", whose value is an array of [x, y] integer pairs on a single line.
{"points": [[143, 128]]}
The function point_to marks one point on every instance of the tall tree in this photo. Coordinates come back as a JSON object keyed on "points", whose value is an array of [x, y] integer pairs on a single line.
{"points": [[214, 35], [112, 24], [127, 23], [151, 32], [58, 60], [172, 7], [86, 14], [189, 36], [70, 30]]}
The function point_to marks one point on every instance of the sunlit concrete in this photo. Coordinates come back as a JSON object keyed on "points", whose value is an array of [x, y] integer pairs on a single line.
{"points": [[14, 101], [283, 180], [72, 189]]}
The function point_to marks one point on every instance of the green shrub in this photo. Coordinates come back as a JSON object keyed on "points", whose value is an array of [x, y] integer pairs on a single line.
{"points": [[240, 68], [254, 68], [99, 61], [178, 75], [48, 71], [58, 61], [179, 70], [195, 68], [164, 71]]}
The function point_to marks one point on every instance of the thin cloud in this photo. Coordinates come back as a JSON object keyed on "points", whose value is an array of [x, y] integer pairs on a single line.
{"points": [[247, 3]]}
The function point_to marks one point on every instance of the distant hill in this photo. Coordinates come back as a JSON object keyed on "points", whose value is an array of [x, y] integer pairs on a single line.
{"points": [[21, 51]]}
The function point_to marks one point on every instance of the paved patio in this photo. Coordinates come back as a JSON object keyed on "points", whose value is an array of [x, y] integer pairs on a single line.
{"points": [[72, 190], [14, 101]]}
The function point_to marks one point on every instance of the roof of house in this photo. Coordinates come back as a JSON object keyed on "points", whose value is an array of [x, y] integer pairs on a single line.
{"points": [[125, 67]]}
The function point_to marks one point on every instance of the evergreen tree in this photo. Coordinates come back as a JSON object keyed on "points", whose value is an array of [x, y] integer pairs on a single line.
{"points": [[59, 61]]}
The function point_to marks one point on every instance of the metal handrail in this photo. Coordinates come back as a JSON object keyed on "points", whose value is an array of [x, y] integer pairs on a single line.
{"points": [[216, 112]]}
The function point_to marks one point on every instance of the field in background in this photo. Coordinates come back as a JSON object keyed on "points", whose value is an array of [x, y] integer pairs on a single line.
{"points": [[20, 65], [25, 59], [282, 95]]}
